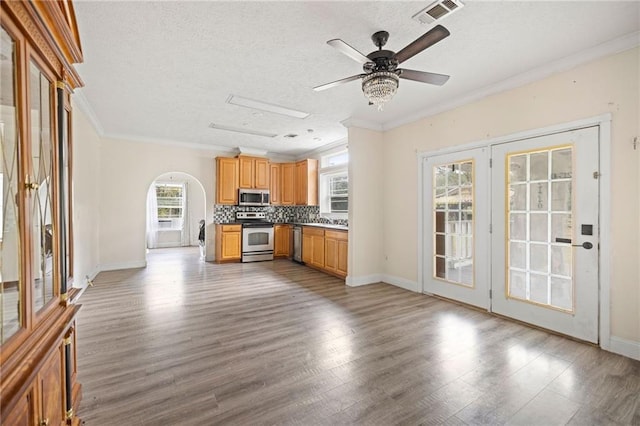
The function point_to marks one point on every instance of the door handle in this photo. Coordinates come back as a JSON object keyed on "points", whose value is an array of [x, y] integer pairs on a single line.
{"points": [[586, 245]]}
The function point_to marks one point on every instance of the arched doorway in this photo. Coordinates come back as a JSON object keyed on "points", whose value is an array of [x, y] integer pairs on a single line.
{"points": [[176, 208]]}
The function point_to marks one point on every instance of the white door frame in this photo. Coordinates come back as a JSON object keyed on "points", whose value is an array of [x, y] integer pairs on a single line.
{"points": [[604, 210]]}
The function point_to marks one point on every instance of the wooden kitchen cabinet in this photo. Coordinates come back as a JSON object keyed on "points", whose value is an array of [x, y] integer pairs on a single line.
{"points": [[287, 184], [227, 181], [306, 183], [228, 243], [275, 185], [325, 249], [336, 246], [254, 172], [313, 246], [282, 240]]}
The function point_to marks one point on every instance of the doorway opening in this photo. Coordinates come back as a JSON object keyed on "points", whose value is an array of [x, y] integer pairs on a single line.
{"points": [[176, 211]]}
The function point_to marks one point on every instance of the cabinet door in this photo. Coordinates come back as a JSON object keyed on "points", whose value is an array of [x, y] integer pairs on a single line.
{"points": [[307, 248], [231, 245], [331, 254], [44, 252], [301, 184], [306, 183], [52, 388], [287, 180], [318, 251], [341, 266], [275, 187], [246, 172], [282, 240], [261, 173], [227, 181], [23, 413]]}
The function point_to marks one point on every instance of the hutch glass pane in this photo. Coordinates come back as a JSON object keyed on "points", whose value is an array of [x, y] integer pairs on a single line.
{"points": [[10, 318], [42, 196]]}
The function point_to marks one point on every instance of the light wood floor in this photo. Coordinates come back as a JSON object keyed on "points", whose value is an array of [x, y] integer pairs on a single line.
{"points": [[183, 342]]}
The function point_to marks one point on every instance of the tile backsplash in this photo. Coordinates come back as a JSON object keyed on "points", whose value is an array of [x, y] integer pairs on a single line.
{"points": [[276, 214]]}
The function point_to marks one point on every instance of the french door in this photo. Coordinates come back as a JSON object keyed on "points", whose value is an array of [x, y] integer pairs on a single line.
{"points": [[522, 239], [456, 226], [545, 232]]}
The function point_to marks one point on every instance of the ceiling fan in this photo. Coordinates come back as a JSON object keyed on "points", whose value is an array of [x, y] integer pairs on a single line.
{"points": [[381, 73]]}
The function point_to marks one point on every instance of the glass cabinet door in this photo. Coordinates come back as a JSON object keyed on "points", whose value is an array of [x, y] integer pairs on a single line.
{"points": [[43, 250], [10, 290]]}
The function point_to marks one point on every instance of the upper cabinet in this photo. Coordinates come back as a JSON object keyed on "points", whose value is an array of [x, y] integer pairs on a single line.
{"points": [[275, 186], [288, 183], [38, 45], [254, 172], [227, 181], [306, 189]]}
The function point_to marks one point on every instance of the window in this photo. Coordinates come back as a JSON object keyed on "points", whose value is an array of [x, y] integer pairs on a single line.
{"points": [[170, 202], [334, 184]]}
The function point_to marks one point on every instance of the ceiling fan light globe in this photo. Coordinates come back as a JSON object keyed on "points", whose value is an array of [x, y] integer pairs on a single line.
{"points": [[380, 87]]}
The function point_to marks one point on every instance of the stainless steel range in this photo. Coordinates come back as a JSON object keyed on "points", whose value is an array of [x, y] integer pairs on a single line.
{"points": [[257, 236]]}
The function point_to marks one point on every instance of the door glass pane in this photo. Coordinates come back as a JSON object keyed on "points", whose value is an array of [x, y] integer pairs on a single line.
{"points": [[540, 268], [453, 202], [10, 289], [42, 196]]}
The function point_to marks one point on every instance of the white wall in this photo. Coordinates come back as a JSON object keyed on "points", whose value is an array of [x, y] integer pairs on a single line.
{"points": [[609, 85], [127, 169], [86, 197], [366, 166]]}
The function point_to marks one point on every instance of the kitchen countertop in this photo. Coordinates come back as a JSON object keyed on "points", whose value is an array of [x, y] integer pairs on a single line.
{"points": [[325, 225]]}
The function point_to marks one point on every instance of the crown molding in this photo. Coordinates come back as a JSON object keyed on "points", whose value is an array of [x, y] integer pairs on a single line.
{"points": [[243, 150], [342, 142], [364, 124], [83, 104], [611, 47], [173, 143]]}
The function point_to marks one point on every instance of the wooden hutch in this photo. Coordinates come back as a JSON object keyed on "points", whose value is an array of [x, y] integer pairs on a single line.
{"points": [[38, 47]]}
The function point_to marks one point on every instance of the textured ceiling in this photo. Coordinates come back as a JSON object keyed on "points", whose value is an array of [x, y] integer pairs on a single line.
{"points": [[164, 70]]}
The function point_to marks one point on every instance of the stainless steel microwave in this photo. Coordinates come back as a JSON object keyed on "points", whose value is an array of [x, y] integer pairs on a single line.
{"points": [[253, 197]]}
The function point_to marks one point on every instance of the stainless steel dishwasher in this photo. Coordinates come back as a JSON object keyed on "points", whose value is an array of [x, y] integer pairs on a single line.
{"points": [[297, 243]]}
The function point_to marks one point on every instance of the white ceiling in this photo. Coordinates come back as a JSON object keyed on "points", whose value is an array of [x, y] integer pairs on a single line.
{"points": [[163, 71]]}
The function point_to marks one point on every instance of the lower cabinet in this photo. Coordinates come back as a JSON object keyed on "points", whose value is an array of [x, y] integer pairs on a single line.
{"points": [[325, 250], [313, 246], [282, 241], [335, 247], [45, 400], [228, 243]]}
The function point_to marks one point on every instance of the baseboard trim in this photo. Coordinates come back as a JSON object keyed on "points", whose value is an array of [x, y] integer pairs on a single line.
{"points": [[401, 282], [628, 348], [123, 265], [364, 280]]}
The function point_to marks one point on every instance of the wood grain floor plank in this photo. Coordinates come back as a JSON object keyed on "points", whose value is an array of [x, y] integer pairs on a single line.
{"points": [[183, 342]]}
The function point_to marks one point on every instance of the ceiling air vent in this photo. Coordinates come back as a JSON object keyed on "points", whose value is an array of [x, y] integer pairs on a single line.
{"points": [[438, 10]]}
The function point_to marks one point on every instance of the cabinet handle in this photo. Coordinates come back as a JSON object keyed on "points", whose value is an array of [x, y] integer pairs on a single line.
{"points": [[45, 422], [30, 184]]}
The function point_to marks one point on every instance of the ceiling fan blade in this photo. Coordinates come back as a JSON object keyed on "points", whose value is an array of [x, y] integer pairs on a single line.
{"points": [[428, 39], [337, 82], [348, 50], [424, 77]]}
